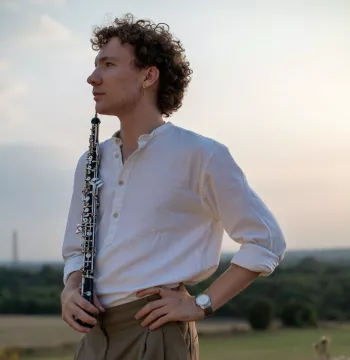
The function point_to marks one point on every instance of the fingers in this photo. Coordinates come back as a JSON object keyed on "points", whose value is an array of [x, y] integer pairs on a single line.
{"points": [[150, 291], [154, 315], [73, 324], [150, 307], [74, 306], [74, 312], [84, 304], [83, 316], [182, 287], [158, 290], [160, 322], [98, 304]]}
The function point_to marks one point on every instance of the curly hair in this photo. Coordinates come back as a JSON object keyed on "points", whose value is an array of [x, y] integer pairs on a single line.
{"points": [[153, 46]]}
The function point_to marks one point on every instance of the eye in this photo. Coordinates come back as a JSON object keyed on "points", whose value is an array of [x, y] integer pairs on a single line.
{"points": [[108, 64]]}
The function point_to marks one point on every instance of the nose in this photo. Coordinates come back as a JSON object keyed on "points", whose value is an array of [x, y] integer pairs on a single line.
{"points": [[94, 79]]}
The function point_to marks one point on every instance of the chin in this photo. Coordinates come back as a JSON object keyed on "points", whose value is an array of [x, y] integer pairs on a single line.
{"points": [[100, 109], [103, 110]]}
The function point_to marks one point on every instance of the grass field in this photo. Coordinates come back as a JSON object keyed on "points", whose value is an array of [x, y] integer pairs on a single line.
{"points": [[48, 338]]}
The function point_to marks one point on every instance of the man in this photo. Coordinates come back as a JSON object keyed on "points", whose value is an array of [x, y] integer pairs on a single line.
{"points": [[168, 196]]}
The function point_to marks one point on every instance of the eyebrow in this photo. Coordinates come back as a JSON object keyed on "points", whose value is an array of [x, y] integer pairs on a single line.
{"points": [[105, 58]]}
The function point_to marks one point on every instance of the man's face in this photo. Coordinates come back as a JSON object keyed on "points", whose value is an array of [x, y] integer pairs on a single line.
{"points": [[116, 82]]}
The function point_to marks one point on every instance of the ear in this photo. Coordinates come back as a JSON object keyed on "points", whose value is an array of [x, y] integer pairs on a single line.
{"points": [[152, 75]]}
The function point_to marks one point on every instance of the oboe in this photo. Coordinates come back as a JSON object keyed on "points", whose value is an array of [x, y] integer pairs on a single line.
{"points": [[87, 228]]}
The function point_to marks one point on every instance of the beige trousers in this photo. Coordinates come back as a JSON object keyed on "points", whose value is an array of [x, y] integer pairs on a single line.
{"points": [[119, 336]]}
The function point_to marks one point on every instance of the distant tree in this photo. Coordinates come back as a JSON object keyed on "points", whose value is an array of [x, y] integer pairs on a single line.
{"points": [[324, 286], [298, 314], [261, 314]]}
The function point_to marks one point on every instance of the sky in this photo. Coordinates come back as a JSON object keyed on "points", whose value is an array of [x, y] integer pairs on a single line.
{"points": [[271, 80]]}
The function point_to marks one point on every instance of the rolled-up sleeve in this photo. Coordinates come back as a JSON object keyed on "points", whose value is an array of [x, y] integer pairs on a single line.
{"points": [[245, 217], [71, 247]]}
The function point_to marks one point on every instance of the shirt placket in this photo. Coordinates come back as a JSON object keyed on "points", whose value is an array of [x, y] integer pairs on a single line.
{"points": [[124, 171], [119, 191]]}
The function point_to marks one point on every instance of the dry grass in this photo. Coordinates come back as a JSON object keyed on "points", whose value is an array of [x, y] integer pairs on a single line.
{"points": [[49, 338], [35, 331], [51, 331]]}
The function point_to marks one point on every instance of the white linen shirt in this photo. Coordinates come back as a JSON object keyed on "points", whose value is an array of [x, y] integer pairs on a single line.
{"points": [[163, 214]]}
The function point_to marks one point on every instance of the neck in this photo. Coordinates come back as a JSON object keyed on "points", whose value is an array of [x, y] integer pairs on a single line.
{"points": [[137, 123]]}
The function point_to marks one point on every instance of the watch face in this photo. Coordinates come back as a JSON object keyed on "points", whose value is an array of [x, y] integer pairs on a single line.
{"points": [[202, 299]]}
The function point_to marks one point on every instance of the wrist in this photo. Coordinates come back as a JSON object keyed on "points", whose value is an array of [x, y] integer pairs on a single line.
{"points": [[199, 312], [203, 302], [74, 279]]}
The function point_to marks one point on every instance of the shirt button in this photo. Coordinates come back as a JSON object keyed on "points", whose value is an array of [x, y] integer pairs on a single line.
{"points": [[121, 182], [115, 214], [116, 156]]}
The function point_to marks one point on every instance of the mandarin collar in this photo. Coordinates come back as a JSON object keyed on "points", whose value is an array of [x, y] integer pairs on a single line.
{"points": [[143, 139]]}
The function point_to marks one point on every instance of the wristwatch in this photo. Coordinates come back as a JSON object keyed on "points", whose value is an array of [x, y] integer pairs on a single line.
{"points": [[204, 302]]}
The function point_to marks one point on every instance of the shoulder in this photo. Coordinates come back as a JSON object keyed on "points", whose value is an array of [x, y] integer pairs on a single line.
{"points": [[214, 156], [195, 142]]}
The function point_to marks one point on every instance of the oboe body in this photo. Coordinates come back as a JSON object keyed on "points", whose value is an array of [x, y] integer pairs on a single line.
{"points": [[87, 228]]}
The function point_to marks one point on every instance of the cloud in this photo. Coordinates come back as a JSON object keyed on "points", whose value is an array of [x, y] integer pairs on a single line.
{"points": [[45, 32], [36, 191], [11, 91], [18, 5], [50, 3], [49, 32], [10, 94], [5, 65], [10, 5]]}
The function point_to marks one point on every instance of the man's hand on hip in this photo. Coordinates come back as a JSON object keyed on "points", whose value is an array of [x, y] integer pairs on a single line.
{"points": [[174, 305]]}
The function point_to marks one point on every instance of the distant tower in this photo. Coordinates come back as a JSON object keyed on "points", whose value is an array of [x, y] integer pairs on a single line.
{"points": [[14, 248]]}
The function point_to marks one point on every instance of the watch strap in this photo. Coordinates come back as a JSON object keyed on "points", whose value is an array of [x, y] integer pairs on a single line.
{"points": [[208, 311]]}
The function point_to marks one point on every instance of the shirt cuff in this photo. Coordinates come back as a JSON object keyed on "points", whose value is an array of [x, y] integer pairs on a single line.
{"points": [[72, 264], [256, 258]]}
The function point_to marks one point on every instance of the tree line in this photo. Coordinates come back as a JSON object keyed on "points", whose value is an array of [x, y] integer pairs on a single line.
{"points": [[312, 289]]}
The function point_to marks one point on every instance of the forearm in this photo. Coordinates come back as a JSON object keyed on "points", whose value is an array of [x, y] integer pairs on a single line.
{"points": [[229, 284], [74, 279]]}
